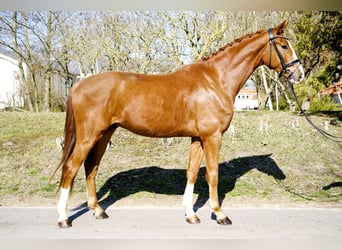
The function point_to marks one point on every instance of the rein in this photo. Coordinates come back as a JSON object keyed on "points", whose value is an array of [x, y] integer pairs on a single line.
{"points": [[321, 131], [285, 67]]}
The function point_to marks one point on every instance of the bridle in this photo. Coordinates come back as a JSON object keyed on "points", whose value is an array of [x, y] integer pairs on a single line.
{"points": [[285, 67]]}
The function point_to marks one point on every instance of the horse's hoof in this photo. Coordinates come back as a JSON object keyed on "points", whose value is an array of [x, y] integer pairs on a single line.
{"points": [[102, 215], [193, 220], [225, 221], [64, 224]]}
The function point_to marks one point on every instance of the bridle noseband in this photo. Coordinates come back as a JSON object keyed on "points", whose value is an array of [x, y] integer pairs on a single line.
{"points": [[284, 65]]}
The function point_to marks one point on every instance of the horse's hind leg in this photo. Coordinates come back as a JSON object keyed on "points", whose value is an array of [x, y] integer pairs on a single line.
{"points": [[91, 166], [195, 159], [69, 171]]}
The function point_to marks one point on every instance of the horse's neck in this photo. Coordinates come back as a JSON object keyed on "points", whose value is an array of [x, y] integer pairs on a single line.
{"points": [[236, 63]]}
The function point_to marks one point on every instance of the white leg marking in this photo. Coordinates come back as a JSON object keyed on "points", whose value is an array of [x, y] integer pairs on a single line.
{"points": [[63, 204], [187, 200]]}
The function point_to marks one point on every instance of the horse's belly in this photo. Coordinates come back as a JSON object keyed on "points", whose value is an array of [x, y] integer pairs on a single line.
{"points": [[160, 128]]}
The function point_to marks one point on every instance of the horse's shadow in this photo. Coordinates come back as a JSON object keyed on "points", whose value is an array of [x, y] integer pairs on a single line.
{"points": [[172, 181]]}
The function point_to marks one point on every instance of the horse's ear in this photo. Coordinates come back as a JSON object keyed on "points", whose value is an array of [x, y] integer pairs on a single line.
{"points": [[280, 29]]}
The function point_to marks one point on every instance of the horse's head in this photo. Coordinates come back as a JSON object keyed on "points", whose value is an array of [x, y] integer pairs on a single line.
{"points": [[281, 56]]}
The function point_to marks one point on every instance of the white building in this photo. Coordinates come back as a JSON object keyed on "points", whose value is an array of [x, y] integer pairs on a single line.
{"points": [[11, 94], [247, 98]]}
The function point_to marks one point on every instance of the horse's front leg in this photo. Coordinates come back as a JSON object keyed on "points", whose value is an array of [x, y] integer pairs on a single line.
{"points": [[212, 147], [195, 159]]}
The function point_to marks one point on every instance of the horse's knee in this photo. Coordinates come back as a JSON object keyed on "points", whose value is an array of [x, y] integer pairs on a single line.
{"points": [[212, 177]]}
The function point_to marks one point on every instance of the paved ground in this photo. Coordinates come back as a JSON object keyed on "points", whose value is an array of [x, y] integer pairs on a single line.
{"points": [[155, 223]]}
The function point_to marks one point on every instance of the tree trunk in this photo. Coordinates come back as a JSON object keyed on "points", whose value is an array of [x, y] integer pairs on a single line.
{"points": [[35, 101], [27, 97], [47, 84], [268, 95]]}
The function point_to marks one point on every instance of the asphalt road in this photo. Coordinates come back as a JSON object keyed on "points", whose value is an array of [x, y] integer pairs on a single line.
{"points": [[169, 223]]}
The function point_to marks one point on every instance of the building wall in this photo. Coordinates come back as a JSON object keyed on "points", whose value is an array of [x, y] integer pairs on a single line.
{"points": [[247, 98], [10, 87]]}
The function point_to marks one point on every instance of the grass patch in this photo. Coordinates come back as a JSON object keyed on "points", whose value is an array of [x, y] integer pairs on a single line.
{"points": [[244, 188], [271, 155]]}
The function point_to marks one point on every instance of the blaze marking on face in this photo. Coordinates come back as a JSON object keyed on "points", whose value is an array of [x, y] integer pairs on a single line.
{"points": [[299, 65]]}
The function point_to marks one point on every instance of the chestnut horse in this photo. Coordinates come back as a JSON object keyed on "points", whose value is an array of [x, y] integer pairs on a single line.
{"points": [[195, 101]]}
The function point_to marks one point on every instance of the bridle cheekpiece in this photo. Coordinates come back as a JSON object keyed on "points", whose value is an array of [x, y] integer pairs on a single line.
{"points": [[284, 65]]}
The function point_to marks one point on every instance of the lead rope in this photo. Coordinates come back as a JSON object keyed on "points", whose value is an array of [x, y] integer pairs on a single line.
{"points": [[321, 131]]}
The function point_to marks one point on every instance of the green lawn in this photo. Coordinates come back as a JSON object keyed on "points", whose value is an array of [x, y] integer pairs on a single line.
{"points": [[272, 157]]}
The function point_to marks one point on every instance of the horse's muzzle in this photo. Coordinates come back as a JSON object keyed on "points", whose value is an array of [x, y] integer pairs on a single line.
{"points": [[295, 74]]}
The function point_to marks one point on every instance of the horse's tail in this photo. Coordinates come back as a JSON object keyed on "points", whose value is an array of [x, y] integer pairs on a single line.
{"points": [[69, 137]]}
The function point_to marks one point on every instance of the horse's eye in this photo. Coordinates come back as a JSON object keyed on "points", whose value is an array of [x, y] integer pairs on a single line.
{"points": [[284, 46]]}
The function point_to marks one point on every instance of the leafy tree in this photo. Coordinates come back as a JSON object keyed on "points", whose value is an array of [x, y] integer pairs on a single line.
{"points": [[319, 44]]}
